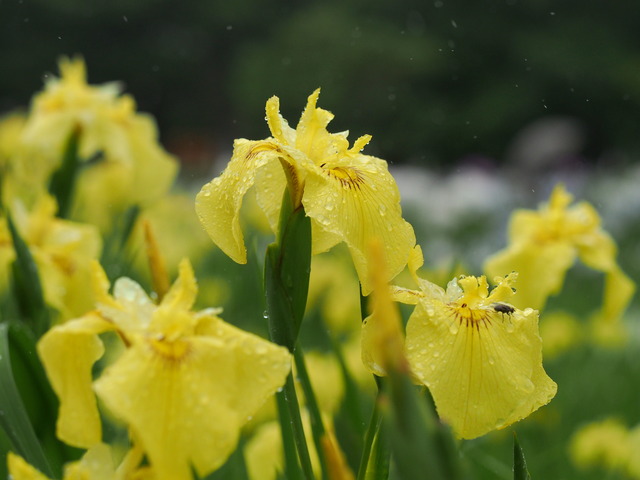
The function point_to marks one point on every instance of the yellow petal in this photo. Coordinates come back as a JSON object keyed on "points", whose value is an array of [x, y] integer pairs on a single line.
{"points": [[482, 366], [184, 290], [68, 353], [95, 464], [187, 409], [542, 270], [355, 199], [598, 251], [21, 470], [311, 133], [618, 292], [218, 203], [382, 340]]}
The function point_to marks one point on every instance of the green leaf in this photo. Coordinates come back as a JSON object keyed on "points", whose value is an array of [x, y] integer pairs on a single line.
{"points": [[13, 418], [235, 466], [315, 417], [374, 462], [26, 281], [287, 269], [520, 471], [62, 182], [115, 259], [286, 275]]}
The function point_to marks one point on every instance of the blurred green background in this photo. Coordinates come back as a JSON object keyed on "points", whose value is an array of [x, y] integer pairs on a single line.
{"points": [[433, 81]]}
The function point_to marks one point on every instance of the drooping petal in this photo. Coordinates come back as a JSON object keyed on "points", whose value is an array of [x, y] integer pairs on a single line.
{"points": [[598, 251], [483, 374], [68, 353], [355, 199], [618, 292], [187, 400], [218, 203], [542, 269]]}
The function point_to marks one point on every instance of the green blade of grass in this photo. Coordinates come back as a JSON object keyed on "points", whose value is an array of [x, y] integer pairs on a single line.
{"points": [[63, 180], [14, 419], [520, 471], [26, 281]]}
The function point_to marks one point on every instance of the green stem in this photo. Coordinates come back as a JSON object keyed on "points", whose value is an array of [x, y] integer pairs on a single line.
{"points": [[291, 399], [26, 280], [287, 267], [62, 183], [291, 464], [317, 427]]}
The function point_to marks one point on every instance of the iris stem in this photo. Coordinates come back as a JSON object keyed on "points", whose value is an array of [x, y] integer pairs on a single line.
{"points": [[317, 427], [291, 400], [291, 465]]}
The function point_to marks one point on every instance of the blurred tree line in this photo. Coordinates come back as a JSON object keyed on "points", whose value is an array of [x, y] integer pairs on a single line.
{"points": [[432, 81]]}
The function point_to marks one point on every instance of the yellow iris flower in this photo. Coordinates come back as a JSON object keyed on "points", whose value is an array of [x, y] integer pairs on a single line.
{"points": [[544, 244], [480, 357], [107, 123], [350, 197], [184, 385], [609, 444], [61, 249]]}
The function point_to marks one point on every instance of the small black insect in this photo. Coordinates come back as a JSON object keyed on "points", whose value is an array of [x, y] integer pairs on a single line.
{"points": [[503, 308]]}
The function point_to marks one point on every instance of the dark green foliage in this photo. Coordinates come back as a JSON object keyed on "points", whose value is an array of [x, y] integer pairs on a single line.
{"points": [[431, 81]]}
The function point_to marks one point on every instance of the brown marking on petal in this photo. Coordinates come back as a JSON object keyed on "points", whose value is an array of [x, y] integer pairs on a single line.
{"points": [[64, 264], [262, 147], [348, 177], [469, 317]]}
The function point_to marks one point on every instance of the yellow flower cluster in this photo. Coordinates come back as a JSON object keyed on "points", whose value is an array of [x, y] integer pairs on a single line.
{"points": [[183, 382]]}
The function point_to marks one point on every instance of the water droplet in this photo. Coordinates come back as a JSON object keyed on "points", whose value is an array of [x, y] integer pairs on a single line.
{"points": [[382, 210], [492, 361], [454, 327], [124, 17], [265, 315]]}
